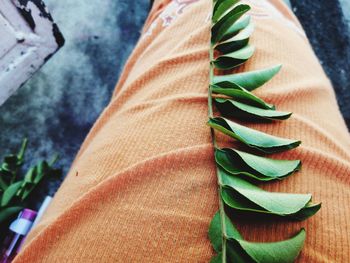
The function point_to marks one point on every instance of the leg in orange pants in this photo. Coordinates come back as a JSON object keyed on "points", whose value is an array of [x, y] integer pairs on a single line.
{"points": [[146, 189]]}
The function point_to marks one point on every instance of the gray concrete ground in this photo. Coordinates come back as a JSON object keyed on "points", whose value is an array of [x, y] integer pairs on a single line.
{"points": [[57, 107]]}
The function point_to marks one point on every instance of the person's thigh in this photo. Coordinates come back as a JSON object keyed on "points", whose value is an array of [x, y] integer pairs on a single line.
{"points": [[143, 186]]}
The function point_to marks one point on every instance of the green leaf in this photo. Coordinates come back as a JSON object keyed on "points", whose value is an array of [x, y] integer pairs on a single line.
{"points": [[215, 231], [42, 169], [221, 7], [3, 185], [216, 236], [22, 150], [307, 211], [244, 196], [236, 254], [54, 159], [277, 252], [243, 96], [28, 181], [10, 193], [250, 80], [34, 177], [10, 162], [240, 203], [30, 175], [7, 213], [241, 251], [222, 28], [9, 169], [239, 25], [234, 59], [237, 109], [236, 42], [252, 138], [263, 169], [217, 258]]}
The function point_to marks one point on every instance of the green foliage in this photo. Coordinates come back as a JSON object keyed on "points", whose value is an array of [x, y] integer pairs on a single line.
{"points": [[238, 171], [233, 108], [240, 250], [221, 8], [10, 166], [215, 231], [277, 252], [10, 192], [15, 189], [224, 28], [236, 42], [235, 58], [240, 94], [255, 139], [259, 168], [8, 212], [245, 196], [249, 80]]}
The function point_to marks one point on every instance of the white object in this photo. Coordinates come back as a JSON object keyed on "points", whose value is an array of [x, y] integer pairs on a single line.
{"points": [[21, 226], [28, 37], [42, 209]]}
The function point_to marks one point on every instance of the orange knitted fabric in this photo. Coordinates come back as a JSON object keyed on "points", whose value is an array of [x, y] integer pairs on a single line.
{"points": [[143, 186]]}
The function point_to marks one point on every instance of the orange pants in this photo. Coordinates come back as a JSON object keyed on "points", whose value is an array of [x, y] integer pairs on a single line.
{"points": [[143, 186]]}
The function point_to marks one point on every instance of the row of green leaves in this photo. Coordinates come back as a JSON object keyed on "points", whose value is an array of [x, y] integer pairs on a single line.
{"points": [[238, 172], [14, 188]]}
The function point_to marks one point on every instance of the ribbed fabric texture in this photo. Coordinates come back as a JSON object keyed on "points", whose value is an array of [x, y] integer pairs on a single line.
{"points": [[143, 186]]}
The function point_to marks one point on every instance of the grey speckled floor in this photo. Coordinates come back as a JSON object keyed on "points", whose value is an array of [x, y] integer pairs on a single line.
{"points": [[57, 107]]}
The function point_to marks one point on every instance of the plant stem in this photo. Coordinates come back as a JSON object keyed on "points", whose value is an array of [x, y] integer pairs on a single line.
{"points": [[213, 138], [3, 185], [54, 160], [23, 149], [20, 157]]}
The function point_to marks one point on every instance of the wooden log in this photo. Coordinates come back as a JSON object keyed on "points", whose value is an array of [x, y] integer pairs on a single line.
{"points": [[28, 38]]}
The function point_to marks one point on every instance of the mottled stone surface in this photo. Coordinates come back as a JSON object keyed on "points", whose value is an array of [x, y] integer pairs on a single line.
{"points": [[57, 107]]}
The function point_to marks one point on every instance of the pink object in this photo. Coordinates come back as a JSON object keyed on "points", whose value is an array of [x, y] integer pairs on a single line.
{"points": [[17, 233], [28, 214]]}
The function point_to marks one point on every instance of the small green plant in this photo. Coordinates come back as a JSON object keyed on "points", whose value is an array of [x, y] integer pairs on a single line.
{"points": [[15, 188]]}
